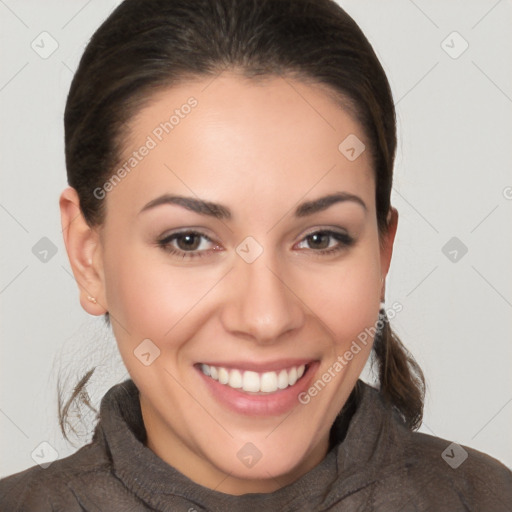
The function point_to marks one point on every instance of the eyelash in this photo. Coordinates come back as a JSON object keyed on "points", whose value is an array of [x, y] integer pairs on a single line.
{"points": [[344, 240]]}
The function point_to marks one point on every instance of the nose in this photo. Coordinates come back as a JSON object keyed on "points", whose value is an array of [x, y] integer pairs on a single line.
{"points": [[262, 305]]}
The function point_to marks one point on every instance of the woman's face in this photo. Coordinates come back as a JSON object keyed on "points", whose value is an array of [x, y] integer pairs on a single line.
{"points": [[253, 278]]}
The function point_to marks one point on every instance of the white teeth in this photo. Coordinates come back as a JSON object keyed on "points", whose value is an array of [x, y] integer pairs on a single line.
{"points": [[251, 382], [223, 376], [268, 382], [235, 379], [282, 379], [292, 376]]}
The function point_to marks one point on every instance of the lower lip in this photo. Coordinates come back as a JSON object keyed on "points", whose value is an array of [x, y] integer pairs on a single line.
{"points": [[272, 404]]}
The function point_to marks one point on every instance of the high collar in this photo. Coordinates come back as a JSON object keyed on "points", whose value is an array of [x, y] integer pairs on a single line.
{"points": [[360, 440]]}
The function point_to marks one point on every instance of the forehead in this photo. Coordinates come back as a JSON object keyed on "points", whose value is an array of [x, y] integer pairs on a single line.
{"points": [[265, 137]]}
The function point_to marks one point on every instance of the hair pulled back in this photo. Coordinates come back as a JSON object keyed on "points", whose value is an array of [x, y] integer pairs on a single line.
{"points": [[148, 45]]}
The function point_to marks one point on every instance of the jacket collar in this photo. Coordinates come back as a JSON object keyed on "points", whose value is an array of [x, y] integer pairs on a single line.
{"points": [[361, 437]]}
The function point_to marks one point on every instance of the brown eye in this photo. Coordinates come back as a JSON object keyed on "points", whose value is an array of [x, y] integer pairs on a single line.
{"points": [[321, 242], [188, 244]]}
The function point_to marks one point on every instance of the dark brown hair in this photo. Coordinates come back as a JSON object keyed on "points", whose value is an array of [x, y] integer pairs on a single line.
{"points": [[148, 45]]}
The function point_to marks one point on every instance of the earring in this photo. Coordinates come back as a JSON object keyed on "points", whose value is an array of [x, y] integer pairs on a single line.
{"points": [[383, 318], [92, 299]]}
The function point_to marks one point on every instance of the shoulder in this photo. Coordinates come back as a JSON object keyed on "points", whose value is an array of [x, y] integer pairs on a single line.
{"points": [[54, 487], [418, 471], [454, 459], [444, 472]]}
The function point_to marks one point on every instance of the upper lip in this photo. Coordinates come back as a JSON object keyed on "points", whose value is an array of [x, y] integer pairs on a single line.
{"points": [[259, 367]]}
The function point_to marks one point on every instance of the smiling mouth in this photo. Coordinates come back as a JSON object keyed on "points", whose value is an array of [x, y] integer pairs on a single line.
{"points": [[253, 382]]}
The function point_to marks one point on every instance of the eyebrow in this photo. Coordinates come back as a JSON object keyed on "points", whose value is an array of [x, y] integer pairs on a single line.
{"points": [[221, 212]]}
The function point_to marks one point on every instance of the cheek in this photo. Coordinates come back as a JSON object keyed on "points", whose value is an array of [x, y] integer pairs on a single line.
{"points": [[149, 297], [346, 296]]}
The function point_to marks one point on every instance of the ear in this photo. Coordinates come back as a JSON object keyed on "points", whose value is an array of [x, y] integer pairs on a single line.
{"points": [[386, 249], [84, 253]]}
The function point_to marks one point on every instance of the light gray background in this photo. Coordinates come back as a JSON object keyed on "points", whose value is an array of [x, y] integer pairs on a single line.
{"points": [[453, 179]]}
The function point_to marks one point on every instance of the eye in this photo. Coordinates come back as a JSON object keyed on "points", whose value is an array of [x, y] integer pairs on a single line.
{"points": [[187, 244], [194, 244], [327, 241]]}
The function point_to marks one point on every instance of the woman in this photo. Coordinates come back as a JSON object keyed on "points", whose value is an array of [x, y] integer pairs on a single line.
{"points": [[230, 168]]}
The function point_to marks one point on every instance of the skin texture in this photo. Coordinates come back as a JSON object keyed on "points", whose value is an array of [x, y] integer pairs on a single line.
{"points": [[259, 148]]}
